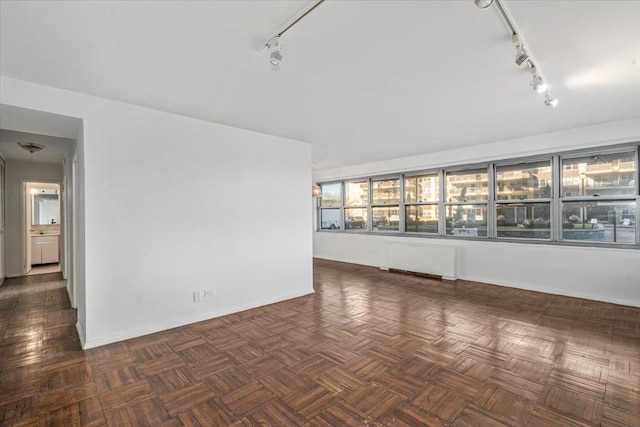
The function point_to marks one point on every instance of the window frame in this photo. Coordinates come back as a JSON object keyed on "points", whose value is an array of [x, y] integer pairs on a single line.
{"points": [[484, 168], [586, 198], [505, 202], [556, 200], [438, 202]]}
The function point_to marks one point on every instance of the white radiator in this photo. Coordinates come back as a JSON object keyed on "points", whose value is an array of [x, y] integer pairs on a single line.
{"points": [[417, 258]]}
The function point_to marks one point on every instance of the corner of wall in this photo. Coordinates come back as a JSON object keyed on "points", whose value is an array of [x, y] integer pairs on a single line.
{"points": [[81, 335]]}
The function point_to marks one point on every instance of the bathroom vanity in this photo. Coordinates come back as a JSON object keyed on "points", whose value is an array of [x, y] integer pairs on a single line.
{"points": [[45, 249]]}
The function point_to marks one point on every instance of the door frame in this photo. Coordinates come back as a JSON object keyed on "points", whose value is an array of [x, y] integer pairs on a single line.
{"points": [[25, 213], [3, 242]]}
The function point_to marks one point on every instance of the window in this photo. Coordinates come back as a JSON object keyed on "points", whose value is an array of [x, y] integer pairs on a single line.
{"points": [[356, 199], [421, 196], [356, 193], [515, 185], [600, 175], [588, 196], [330, 204], [599, 198], [467, 193], [599, 221], [385, 202]]}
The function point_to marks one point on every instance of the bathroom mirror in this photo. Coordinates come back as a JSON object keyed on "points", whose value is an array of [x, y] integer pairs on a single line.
{"points": [[45, 209]]}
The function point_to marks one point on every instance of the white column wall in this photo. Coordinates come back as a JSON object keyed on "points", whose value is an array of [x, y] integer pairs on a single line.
{"points": [[174, 205]]}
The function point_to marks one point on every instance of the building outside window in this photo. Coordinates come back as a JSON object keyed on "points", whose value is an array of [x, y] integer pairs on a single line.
{"points": [[523, 200], [599, 198], [385, 202], [422, 194], [579, 197], [467, 193]]}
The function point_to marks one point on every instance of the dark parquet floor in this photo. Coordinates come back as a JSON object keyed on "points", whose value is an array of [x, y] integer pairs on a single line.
{"points": [[369, 348]]}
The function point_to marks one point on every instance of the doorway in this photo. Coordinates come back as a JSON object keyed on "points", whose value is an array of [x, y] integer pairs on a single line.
{"points": [[43, 221]]}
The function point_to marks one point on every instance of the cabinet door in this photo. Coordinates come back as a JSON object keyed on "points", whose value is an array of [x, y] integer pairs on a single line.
{"points": [[50, 251], [36, 252]]}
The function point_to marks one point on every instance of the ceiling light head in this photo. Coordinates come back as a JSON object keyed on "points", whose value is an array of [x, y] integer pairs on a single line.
{"points": [[31, 147], [537, 83], [275, 58], [483, 4], [550, 102]]}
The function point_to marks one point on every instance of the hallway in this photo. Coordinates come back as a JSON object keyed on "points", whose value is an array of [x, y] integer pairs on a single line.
{"points": [[37, 338]]}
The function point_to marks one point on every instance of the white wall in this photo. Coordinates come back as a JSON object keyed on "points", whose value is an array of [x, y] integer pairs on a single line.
{"points": [[16, 173], [605, 274], [237, 220]]}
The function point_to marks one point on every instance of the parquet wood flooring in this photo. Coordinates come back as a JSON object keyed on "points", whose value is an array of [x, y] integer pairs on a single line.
{"points": [[369, 348]]}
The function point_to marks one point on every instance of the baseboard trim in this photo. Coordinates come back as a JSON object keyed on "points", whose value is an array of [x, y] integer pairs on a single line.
{"points": [[561, 292], [162, 326], [81, 334]]}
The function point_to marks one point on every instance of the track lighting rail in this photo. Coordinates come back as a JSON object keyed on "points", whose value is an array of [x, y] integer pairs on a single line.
{"points": [[288, 26]]}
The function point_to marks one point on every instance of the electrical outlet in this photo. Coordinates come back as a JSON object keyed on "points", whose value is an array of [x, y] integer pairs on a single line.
{"points": [[209, 293], [196, 296]]}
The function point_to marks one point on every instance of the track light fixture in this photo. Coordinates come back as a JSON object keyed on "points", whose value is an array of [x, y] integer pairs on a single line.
{"points": [[523, 58], [550, 102], [273, 42], [537, 83], [275, 58], [483, 4]]}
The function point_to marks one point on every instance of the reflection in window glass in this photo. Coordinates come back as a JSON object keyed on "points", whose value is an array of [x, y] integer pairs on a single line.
{"points": [[421, 218], [355, 219], [385, 191], [356, 193], [599, 221], [467, 220], [524, 220], [331, 197], [385, 218], [330, 219], [467, 186], [601, 175], [424, 188], [520, 182]]}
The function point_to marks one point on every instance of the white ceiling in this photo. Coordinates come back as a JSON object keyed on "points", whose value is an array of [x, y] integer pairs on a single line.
{"points": [[361, 80], [54, 151]]}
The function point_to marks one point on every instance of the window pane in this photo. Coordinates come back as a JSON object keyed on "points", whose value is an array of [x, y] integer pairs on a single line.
{"points": [[524, 220], [355, 219], [601, 175], [356, 193], [386, 218], [424, 188], [467, 220], [599, 221], [385, 191], [421, 218], [329, 219], [467, 186], [529, 181], [331, 197]]}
